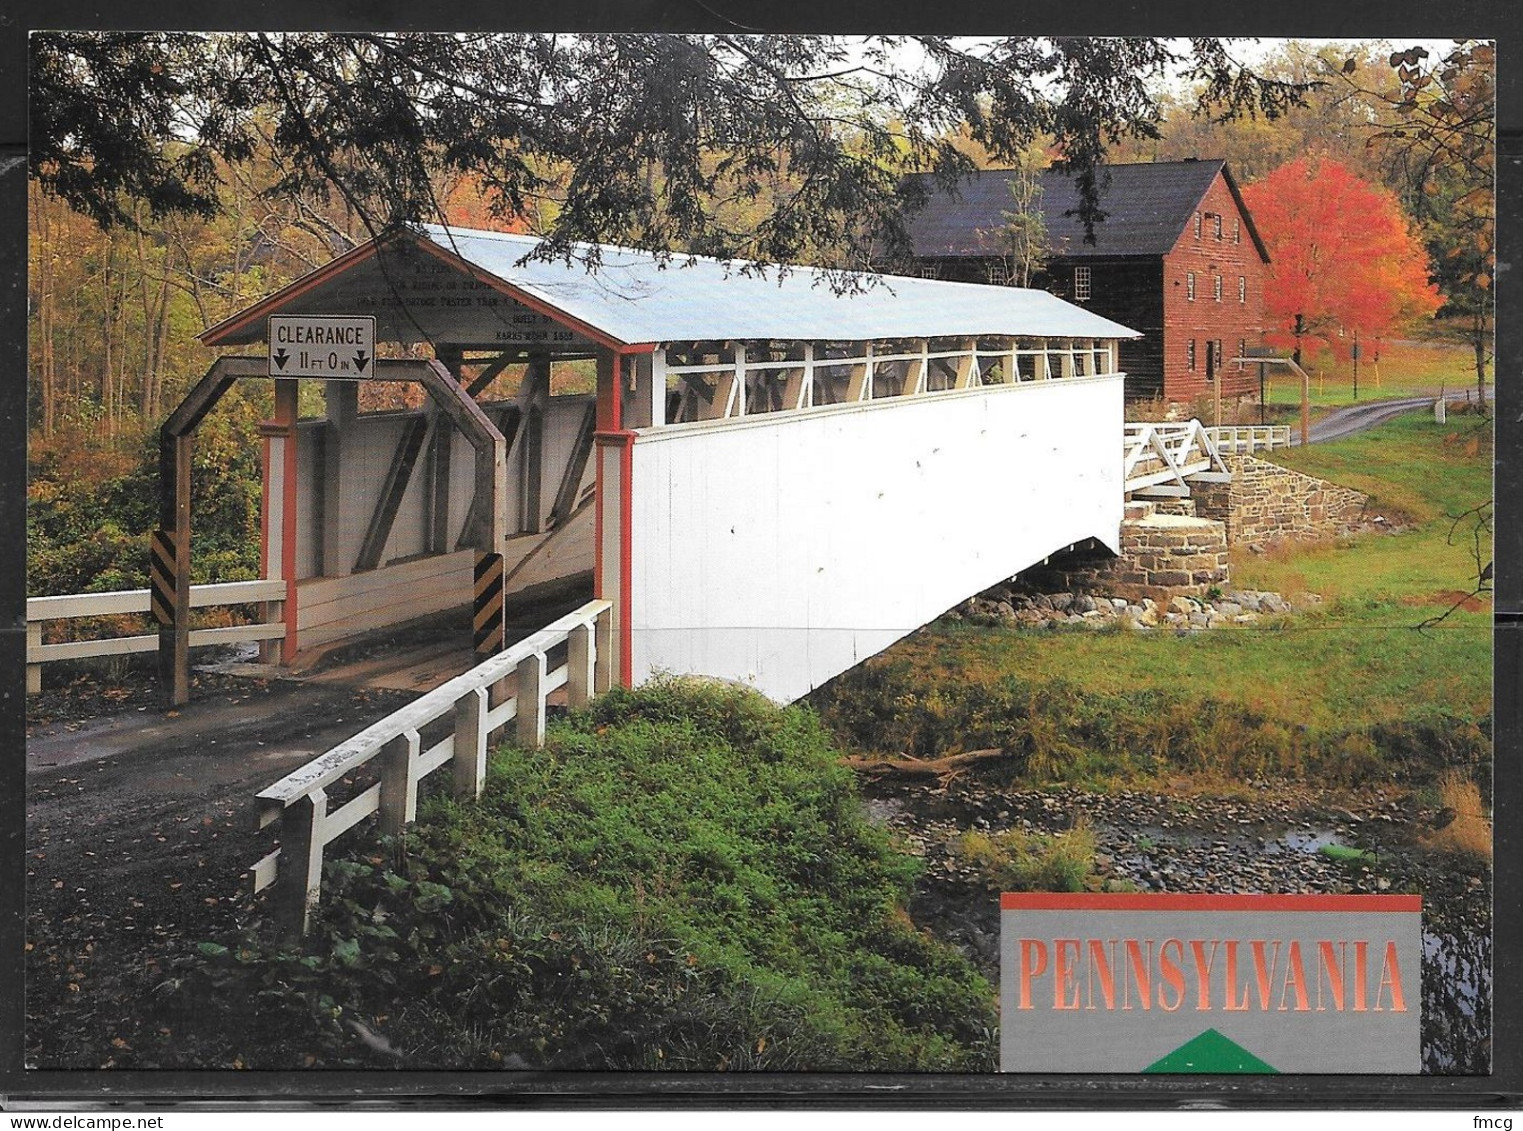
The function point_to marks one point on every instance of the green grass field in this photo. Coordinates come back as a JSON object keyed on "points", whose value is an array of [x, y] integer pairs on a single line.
{"points": [[1405, 367], [1358, 660]]}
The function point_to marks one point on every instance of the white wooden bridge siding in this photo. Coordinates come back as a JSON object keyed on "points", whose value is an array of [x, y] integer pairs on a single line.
{"points": [[333, 601], [783, 549]]}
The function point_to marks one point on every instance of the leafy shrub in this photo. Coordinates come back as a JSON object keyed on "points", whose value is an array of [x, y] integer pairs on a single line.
{"points": [[683, 878]]}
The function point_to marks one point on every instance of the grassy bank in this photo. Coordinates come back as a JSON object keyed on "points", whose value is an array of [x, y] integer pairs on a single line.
{"points": [[683, 878], [1341, 690]]}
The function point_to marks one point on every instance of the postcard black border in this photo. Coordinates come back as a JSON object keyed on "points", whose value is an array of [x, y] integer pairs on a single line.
{"points": [[190, 1091]]}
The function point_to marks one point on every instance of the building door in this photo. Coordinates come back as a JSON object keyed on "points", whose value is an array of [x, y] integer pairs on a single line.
{"points": [[1210, 363]]}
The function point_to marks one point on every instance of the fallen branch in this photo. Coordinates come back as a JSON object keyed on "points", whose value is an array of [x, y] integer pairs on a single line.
{"points": [[915, 767]]}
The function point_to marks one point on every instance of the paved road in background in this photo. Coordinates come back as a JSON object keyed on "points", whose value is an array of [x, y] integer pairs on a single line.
{"points": [[1356, 418]]}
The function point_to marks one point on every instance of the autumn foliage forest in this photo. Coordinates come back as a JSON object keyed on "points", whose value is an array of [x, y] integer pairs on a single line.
{"points": [[1375, 198]]}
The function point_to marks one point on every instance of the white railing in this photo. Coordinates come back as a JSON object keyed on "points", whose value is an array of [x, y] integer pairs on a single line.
{"points": [[1247, 439], [1160, 455], [299, 801], [74, 606]]}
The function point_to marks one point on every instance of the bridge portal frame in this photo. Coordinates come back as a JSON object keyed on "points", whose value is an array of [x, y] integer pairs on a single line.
{"points": [[170, 561]]}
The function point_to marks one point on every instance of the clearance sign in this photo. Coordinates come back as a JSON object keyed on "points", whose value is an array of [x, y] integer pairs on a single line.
{"points": [[1210, 983]]}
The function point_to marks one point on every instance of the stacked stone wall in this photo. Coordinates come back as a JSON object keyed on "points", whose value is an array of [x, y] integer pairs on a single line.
{"points": [[1179, 546], [1159, 553], [1267, 503]]}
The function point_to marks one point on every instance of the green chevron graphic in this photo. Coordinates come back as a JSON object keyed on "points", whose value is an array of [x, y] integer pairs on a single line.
{"points": [[1210, 1052]]}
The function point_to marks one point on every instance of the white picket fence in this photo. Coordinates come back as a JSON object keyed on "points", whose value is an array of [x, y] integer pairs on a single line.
{"points": [[299, 801], [74, 606], [1244, 440]]}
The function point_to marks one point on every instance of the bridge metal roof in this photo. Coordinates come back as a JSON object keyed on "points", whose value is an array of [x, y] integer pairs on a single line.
{"points": [[634, 299]]}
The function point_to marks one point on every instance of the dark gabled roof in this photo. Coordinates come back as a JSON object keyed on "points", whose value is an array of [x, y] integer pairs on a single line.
{"points": [[1146, 206]]}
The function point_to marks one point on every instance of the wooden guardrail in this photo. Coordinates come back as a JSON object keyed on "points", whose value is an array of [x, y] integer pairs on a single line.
{"points": [[1160, 455], [1237, 440], [73, 606], [299, 801]]}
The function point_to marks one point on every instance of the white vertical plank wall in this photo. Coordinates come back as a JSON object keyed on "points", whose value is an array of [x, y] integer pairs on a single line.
{"points": [[782, 550]]}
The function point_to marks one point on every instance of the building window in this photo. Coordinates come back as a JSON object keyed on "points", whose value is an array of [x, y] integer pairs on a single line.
{"points": [[928, 271], [1216, 225], [1242, 288], [1237, 231], [1081, 284], [998, 275], [1197, 225], [1190, 286], [1216, 287], [1217, 346], [1242, 347], [1190, 355]]}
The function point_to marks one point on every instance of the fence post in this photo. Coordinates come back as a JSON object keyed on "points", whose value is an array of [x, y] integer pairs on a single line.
{"points": [[270, 650], [399, 783], [602, 678], [531, 700], [299, 880], [33, 669], [581, 665], [470, 761]]}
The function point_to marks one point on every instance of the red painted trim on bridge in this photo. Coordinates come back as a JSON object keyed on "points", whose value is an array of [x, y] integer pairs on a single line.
{"points": [[1181, 901], [626, 559]]}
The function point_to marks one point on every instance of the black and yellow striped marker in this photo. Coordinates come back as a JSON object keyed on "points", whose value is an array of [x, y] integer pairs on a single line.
{"points": [[487, 618], [161, 578]]}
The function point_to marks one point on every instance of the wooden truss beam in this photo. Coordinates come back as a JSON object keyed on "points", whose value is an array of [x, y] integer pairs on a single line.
{"points": [[576, 467], [398, 476]]}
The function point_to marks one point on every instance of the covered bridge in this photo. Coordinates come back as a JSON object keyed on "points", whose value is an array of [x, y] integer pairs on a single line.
{"points": [[769, 479]]}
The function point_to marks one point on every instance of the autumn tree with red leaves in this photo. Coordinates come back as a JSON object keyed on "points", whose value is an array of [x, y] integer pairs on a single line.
{"points": [[1344, 259]]}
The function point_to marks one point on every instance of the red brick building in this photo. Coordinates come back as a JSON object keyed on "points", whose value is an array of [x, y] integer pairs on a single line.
{"points": [[1177, 257]]}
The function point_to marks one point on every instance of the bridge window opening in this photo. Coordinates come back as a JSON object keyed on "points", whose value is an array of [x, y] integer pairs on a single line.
{"points": [[1031, 359], [1089, 359], [1066, 360], [775, 385], [994, 361], [897, 365]]}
